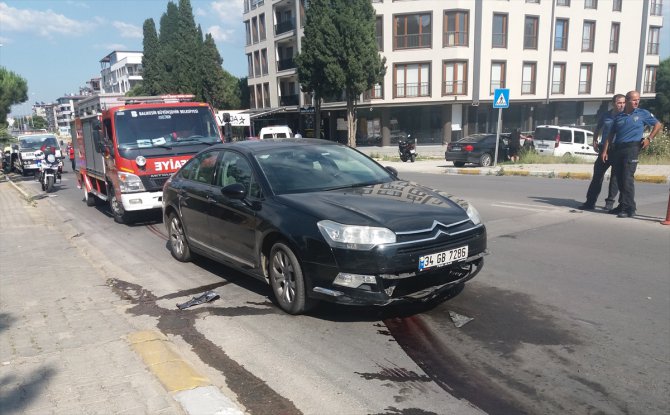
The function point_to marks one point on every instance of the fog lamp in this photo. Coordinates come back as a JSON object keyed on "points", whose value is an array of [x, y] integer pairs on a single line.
{"points": [[353, 280]]}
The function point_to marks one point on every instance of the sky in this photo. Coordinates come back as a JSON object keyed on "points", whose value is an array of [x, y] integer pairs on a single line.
{"points": [[57, 45]]}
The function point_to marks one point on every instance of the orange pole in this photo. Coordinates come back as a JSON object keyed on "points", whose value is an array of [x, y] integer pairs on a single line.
{"points": [[667, 215]]}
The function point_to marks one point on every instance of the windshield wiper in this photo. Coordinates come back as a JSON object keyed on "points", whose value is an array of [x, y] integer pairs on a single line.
{"points": [[353, 186]]}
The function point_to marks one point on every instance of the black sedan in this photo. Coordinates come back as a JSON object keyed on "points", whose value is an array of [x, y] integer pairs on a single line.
{"points": [[321, 221], [477, 148]]}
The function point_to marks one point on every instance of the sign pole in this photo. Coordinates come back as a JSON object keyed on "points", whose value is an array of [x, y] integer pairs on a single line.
{"points": [[498, 129]]}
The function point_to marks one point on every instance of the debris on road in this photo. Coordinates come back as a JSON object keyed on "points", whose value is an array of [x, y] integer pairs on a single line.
{"points": [[459, 319], [204, 298]]}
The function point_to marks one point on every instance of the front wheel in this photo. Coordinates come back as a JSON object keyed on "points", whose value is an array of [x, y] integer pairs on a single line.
{"points": [[485, 160], [287, 280], [119, 213], [50, 184], [412, 158], [403, 158], [178, 245]]}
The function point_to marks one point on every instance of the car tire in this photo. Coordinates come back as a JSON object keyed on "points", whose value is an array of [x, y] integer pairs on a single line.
{"points": [[459, 163], [485, 160], [288, 283], [178, 244]]}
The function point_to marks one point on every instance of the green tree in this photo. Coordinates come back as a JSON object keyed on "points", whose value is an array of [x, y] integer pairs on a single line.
{"points": [[13, 90], [151, 70], [660, 105], [340, 54], [38, 122], [187, 45], [219, 87], [168, 50], [243, 87]]}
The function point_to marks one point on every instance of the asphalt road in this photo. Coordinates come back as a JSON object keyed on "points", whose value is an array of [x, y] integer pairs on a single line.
{"points": [[571, 314]]}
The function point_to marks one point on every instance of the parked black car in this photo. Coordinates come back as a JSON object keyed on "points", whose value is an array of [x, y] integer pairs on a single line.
{"points": [[478, 149], [321, 221]]}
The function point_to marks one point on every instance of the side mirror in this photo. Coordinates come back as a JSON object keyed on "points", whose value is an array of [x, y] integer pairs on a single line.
{"points": [[234, 191], [392, 170]]}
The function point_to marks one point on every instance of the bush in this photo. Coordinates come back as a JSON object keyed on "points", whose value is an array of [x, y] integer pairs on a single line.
{"points": [[658, 151]]}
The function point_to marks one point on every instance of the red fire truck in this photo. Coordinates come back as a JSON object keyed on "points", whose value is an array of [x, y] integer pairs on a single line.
{"points": [[125, 153]]}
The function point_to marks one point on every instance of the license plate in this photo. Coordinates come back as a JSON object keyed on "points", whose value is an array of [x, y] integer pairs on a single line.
{"points": [[441, 259], [456, 148]]}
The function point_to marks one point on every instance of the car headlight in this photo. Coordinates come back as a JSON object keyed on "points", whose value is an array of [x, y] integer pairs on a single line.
{"points": [[354, 237], [129, 182], [473, 214]]}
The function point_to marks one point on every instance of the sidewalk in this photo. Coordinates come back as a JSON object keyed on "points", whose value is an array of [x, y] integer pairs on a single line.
{"points": [[432, 161], [65, 345]]}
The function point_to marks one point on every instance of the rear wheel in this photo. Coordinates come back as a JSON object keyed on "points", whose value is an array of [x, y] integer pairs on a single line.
{"points": [[88, 197], [287, 280], [459, 163], [485, 160], [178, 245], [412, 158]]}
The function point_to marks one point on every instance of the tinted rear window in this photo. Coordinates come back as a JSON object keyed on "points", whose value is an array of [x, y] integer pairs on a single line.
{"points": [[546, 134]]}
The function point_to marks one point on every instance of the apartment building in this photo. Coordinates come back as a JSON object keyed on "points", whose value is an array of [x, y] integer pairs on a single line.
{"points": [[120, 71], [64, 107], [562, 61]]}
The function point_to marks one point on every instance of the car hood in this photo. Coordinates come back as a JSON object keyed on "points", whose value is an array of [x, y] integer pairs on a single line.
{"points": [[398, 205]]}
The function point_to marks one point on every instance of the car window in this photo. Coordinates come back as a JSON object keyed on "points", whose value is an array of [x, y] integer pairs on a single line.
{"points": [[580, 137], [490, 140], [545, 134], [589, 139], [234, 168], [201, 168], [566, 136]]}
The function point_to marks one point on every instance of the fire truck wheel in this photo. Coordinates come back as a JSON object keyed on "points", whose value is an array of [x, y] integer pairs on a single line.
{"points": [[119, 213], [89, 198], [178, 244]]}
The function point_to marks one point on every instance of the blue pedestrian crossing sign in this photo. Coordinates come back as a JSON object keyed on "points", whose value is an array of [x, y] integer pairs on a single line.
{"points": [[501, 98]]}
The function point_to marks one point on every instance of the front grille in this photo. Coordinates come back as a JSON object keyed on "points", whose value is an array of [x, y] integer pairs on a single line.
{"points": [[441, 242], [153, 183]]}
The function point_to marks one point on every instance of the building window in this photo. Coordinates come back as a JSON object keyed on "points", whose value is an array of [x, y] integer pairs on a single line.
{"points": [[530, 32], [252, 97], [455, 78], [590, 4], [610, 88], [616, 5], [561, 39], [412, 31], [499, 31], [614, 38], [250, 65], [247, 27], [558, 79], [261, 27], [377, 92], [650, 79], [528, 78], [456, 28], [585, 78], [656, 8], [379, 32], [254, 29], [588, 36], [652, 46], [411, 80], [498, 70], [259, 95], [266, 95], [264, 61], [565, 3]]}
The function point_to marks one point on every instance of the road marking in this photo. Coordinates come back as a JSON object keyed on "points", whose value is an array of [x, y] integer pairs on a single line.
{"points": [[524, 206]]}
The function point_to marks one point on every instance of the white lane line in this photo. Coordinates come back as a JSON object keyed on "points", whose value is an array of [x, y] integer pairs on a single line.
{"points": [[532, 209]]}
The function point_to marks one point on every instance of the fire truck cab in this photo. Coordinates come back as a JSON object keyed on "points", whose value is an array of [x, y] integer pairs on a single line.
{"points": [[125, 153]]}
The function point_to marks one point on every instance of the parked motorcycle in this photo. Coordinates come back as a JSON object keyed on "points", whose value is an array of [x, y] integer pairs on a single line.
{"points": [[407, 149], [7, 162], [49, 170]]}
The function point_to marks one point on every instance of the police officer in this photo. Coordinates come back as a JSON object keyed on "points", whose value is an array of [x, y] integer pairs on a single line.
{"points": [[627, 131], [600, 166]]}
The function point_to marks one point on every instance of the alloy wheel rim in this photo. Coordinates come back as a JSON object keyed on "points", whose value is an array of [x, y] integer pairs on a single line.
{"points": [[177, 236], [284, 276]]}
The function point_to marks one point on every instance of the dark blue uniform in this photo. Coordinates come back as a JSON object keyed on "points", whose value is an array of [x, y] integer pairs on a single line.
{"points": [[600, 167], [629, 129]]}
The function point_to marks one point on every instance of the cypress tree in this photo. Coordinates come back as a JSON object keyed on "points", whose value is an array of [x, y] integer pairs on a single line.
{"points": [[168, 51], [186, 40], [151, 70]]}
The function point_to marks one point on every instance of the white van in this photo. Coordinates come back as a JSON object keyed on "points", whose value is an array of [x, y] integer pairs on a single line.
{"points": [[275, 131], [554, 140]]}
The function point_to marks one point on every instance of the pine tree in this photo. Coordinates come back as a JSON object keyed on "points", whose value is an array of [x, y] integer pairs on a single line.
{"points": [[13, 90]]}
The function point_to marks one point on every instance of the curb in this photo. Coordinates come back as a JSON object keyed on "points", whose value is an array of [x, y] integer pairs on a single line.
{"points": [[194, 392], [501, 171]]}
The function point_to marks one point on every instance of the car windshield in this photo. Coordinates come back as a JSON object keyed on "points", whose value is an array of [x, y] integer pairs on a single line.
{"points": [[317, 167], [165, 127], [36, 141]]}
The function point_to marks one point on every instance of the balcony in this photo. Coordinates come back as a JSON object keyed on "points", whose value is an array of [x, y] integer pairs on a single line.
{"points": [[285, 64], [285, 26], [288, 100]]}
